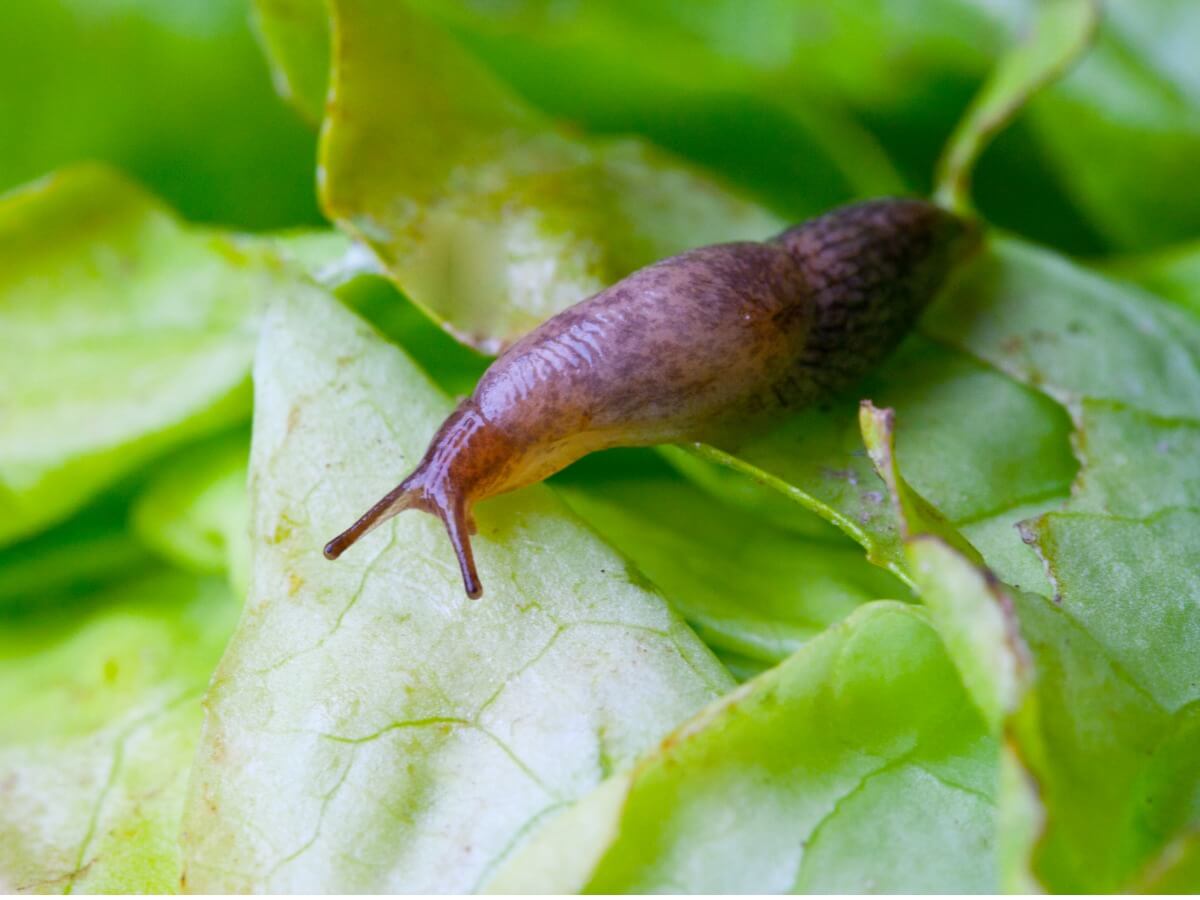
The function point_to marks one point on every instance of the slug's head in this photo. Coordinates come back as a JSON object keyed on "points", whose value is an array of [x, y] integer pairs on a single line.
{"points": [[444, 484]]}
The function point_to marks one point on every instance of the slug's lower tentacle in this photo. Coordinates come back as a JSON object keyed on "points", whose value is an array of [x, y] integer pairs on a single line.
{"points": [[460, 527]]}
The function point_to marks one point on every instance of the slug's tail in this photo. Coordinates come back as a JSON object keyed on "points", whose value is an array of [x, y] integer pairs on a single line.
{"points": [[413, 493]]}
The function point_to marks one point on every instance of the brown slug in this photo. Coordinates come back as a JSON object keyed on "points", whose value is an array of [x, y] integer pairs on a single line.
{"points": [[693, 348]]}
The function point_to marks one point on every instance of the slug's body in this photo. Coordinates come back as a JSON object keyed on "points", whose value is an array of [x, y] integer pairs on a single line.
{"points": [[689, 348]]}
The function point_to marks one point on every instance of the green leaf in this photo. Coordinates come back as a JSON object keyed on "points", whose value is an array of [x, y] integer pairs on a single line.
{"points": [[454, 367], [1117, 551], [1137, 95], [772, 96], [1046, 322], [972, 613], [370, 728], [790, 147], [821, 775], [948, 406], [619, 69], [487, 214], [906, 69], [295, 37], [1116, 643], [174, 93], [1065, 787], [747, 587], [101, 703], [1177, 871], [1173, 273], [92, 549], [326, 256], [1062, 31], [122, 334], [193, 511], [854, 48]]}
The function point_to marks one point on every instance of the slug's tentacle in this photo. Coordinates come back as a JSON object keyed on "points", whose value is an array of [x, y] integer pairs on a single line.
{"points": [[460, 527], [398, 499], [701, 346]]}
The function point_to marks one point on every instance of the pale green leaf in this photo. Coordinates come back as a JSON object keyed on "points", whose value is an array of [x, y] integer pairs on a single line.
{"points": [[122, 334], [1049, 323], [370, 728], [1117, 553], [101, 703], [978, 446], [1115, 645], [972, 612], [193, 511]]}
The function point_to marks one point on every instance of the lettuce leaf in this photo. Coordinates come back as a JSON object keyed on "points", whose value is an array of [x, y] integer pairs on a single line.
{"points": [[101, 701], [1119, 558], [370, 728], [1137, 94], [122, 334], [820, 776], [1173, 273], [92, 549], [747, 587], [488, 214], [173, 93], [192, 512], [1061, 32], [983, 477]]}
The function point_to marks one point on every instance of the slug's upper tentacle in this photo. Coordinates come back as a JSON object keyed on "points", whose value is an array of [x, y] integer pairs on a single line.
{"points": [[689, 348]]}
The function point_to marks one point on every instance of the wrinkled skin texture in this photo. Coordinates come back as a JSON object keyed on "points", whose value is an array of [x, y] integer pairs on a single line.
{"points": [[695, 347]]}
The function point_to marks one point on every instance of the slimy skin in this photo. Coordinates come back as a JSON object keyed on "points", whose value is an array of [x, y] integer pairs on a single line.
{"points": [[696, 347]]}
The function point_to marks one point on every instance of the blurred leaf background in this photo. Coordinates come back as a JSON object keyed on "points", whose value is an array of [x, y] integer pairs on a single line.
{"points": [[124, 426], [176, 94]]}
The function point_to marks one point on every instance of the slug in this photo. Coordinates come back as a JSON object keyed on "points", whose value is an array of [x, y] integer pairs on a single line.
{"points": [[697, 347]]}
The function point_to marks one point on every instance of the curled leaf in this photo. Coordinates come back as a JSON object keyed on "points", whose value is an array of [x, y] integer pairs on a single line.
{"points": [[487, 214]]}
